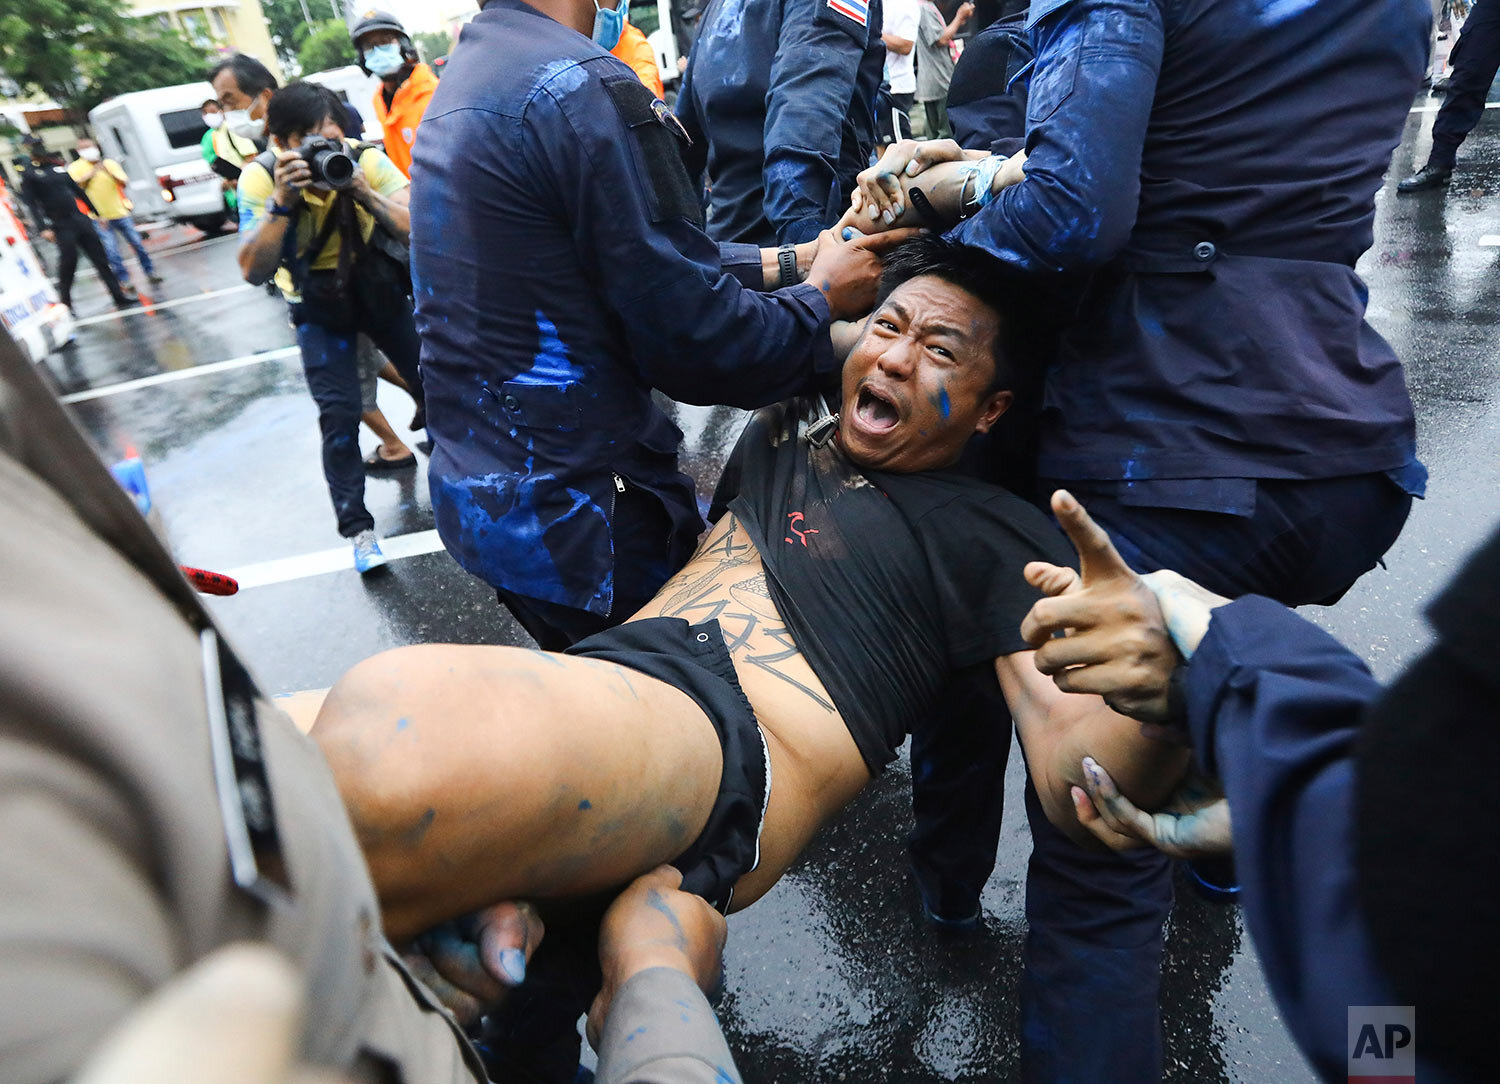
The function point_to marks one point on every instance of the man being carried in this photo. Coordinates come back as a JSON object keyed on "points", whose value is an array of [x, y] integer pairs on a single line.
{"points": [[849, 578]]}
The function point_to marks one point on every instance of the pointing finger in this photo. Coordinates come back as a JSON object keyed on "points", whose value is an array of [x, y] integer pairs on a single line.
{"points": [[1097, 556]]}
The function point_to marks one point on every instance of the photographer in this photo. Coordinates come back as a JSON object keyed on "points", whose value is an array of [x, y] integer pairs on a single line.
{"points": [[329, 220]]}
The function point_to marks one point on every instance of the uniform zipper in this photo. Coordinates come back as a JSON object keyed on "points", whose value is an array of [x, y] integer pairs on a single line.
{"points": [[614, 496]]}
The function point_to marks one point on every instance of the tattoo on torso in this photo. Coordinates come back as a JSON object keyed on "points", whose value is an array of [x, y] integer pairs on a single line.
{"points": [[726, 582]]}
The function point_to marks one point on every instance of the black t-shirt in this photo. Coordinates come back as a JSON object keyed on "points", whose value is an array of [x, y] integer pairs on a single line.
{"points": [[888, 583]]}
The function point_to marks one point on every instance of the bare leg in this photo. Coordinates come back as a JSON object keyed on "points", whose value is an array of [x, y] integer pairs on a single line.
{"points": [[303, 707], [391, 446], [478, 774], [390, 375]]}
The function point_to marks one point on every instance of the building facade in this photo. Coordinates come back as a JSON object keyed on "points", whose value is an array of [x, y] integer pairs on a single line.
{"points": [[226, 26]]}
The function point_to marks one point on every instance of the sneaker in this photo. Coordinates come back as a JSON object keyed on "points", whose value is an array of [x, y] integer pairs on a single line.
{"points": [[367, 555]]}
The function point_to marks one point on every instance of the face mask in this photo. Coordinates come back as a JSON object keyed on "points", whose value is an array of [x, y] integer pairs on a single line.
{"points": [[213, 120], [89, 154], [384, 60], [238, 121], [609, 25]]}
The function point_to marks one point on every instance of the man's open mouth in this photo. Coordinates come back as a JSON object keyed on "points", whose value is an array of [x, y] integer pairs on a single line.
{"points": [[875, 411]]}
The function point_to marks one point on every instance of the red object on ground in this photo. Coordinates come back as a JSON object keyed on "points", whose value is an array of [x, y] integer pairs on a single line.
{"points": [[211, 583]]}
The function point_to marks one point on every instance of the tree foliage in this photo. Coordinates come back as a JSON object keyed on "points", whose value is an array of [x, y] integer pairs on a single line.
{"points": [[80, 52], [433, 44], [140, 57], [288, 30], [43, 41], [327, 46]]}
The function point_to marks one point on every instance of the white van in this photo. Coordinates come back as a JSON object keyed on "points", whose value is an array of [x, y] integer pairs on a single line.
{"points": [[29, 308], [155, 135], [358, 89]]}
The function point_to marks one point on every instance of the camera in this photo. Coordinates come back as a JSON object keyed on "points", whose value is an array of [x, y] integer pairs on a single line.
{"points": [[328, 161]]}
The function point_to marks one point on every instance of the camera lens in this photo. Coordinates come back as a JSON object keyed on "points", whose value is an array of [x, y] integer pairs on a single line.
{"points": [[333, 167]]}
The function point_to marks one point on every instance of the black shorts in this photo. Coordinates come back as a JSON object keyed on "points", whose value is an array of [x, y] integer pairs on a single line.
{"points": [[693, 658]]}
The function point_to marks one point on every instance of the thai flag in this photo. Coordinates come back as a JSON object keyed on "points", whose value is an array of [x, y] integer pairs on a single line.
{"points": [[858, 10]]}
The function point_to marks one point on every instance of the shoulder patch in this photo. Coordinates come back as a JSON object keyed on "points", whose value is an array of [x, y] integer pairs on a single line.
{"points": [[855, 10]]}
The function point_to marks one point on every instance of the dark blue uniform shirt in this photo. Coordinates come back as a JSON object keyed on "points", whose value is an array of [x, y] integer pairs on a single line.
{"points": [[779, 97], [561, 273], [1275, 708], [1213, 165]]}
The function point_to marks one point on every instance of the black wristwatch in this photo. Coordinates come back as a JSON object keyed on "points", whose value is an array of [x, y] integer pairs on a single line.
{"points": [[786, 256]]}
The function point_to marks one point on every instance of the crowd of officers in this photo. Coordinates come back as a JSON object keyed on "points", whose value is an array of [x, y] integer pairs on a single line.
{"points": [[543, 242]]}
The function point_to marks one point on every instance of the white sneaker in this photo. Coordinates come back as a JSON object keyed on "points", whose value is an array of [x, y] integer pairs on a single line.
{"points": [[367, 555]]}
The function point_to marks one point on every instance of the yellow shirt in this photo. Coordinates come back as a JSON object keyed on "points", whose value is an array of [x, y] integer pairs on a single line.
{"points": [[105, 189], [234, 149], [256, 187]]}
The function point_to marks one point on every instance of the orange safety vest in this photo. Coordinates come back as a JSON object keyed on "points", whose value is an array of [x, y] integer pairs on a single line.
{"points": [[636, 51], [400, 121]]}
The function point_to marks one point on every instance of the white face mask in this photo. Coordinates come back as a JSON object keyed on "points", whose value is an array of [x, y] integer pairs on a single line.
{"points": [[238, 121], [213, 120], [89, 154]]}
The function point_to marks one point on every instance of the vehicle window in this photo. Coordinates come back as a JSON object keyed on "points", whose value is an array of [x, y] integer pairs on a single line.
{"points": [[184, 127], [645, 17]]}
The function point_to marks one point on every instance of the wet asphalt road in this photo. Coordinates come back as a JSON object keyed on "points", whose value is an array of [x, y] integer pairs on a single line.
{"points": [[829, 978]]}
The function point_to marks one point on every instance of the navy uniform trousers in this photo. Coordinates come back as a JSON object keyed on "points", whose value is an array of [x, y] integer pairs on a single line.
{"points": [[1474, 61]]}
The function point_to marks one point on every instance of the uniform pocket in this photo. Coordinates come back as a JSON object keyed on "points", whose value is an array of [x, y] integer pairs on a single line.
{"points": [[1053, 79], [658, 137], [539, 406]]}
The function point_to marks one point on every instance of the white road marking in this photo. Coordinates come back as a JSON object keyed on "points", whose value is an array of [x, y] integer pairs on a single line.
{"points": [[194, 246], [172, 303], [305, 565], [1433, 107], [180, 374]]}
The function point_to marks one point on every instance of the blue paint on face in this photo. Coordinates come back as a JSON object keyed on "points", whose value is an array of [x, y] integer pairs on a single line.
{"points": [[585, 804], [943, 404]]}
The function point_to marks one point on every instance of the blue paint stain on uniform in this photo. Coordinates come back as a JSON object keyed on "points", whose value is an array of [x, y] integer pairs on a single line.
{"points": [[585, 804], [553, 363], [499, 523], [1276, 11], [562, 76], [402, 723]]}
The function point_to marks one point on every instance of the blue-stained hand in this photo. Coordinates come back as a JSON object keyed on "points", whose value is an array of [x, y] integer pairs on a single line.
{"points": [[1193, 824], [653, 923], [472, 963]]}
